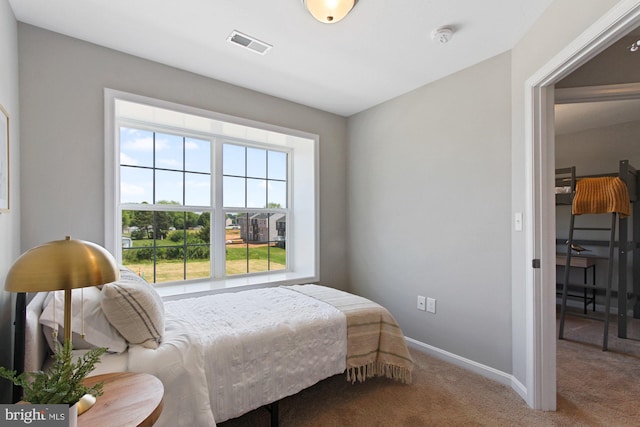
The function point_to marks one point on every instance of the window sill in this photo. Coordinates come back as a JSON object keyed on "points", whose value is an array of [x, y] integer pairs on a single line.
{"points": [[236, 284]]}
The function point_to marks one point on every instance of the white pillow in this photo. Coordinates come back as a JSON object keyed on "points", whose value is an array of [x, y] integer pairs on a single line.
{"points": [[135, 309], [98, 331]]}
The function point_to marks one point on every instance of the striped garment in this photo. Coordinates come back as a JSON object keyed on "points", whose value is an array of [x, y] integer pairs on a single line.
{"points": [[601, 195], [375, 343]]}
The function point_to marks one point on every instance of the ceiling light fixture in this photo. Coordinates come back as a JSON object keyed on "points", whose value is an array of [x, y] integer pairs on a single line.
{"points": [[634, 46], [329, 11]]}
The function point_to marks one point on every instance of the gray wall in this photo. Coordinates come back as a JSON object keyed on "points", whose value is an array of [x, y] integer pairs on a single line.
{"points": [[435, 177], [429, 198], [596, 151], [9, 222], [61, 89]]}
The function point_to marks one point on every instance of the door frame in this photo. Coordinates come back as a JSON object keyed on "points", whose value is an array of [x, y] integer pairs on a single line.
{"points": [[540, 161]]}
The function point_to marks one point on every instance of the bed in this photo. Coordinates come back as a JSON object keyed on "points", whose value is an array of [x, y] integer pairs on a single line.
{"points": [[565, 185], [628, 241], [220, 356]]}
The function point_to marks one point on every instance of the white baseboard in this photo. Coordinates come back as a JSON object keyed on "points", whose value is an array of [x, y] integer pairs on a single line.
{"points": [[470, 365]]}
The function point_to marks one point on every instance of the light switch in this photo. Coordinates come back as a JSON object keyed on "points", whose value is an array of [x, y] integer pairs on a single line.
{"points": [[517, 221]]}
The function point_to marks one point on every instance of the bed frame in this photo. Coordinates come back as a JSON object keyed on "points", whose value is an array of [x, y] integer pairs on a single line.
{"points": [[18, 341], [629, 245], [38, 350], [628, 238], [565, 177]]}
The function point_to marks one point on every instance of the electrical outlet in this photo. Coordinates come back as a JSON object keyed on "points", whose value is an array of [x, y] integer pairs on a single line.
{"points": [[431, 305], [421, 303]]}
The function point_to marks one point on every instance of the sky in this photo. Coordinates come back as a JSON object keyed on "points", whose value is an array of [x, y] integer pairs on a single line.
{"points": [[253, 177]]}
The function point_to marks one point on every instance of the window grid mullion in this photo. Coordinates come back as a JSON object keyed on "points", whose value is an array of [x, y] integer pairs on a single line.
{"points": [[153, 217], [246, 204], [184, 214]]}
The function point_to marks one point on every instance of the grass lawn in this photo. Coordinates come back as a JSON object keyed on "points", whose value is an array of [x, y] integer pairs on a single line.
{"points": [[169, 270]]}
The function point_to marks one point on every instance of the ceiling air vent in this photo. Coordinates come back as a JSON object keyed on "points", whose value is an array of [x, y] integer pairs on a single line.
{"points": [[249, 42]]}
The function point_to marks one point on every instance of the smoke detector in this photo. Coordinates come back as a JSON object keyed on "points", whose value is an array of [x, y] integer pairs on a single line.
{"points": [[442, 35]]}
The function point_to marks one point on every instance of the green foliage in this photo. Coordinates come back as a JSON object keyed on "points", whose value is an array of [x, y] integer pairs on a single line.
{"points": [[198, 252], [139, 234], [172, 248], [134, 255], [160, 223], [193, 219], [62, 383], [204, 233], [205, 219], [176, 236], [144, 221], [126, 218]]}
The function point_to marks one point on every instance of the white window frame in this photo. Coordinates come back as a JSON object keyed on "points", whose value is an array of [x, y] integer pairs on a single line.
{"points": [[303, 205]]}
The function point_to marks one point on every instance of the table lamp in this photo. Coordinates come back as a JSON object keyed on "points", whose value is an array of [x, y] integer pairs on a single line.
{"points": [[62, 265]]}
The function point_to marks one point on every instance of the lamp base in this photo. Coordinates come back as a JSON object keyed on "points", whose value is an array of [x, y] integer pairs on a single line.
{"points": [[85, 403]]}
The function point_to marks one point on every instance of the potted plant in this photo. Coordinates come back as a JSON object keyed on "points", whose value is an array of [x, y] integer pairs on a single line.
{"points": [[62, 383]]}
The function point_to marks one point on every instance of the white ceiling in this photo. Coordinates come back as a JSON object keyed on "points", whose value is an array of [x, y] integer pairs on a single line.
{"points": [[381, 50]]}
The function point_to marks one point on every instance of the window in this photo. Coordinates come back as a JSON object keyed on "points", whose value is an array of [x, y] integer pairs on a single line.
{"points": [[198, 201], [255, 203], [165, 204]]}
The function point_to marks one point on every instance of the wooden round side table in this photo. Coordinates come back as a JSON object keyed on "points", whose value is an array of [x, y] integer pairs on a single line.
{"points": [[128, 399]]}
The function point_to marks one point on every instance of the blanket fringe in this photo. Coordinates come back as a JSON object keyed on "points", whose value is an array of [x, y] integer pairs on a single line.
{"points": [[378, 369]]}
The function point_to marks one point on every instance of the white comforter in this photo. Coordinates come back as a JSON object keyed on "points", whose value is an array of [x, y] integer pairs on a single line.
{"points": [[224, 355]]}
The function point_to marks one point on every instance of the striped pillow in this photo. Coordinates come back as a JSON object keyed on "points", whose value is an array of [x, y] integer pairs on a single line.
{"points": [[135, 309]]}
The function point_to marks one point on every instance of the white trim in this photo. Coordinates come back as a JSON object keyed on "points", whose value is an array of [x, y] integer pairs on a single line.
{"points": [[126, 96], [217, 247], [109, 172], [541, 332], [198, 288], [619, 92], [530, 279], [540, 358], [470, 365], [302, 148]]}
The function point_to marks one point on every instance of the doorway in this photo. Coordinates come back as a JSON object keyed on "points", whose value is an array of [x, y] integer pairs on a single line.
{"points": [[597, 126], [539, 106]]}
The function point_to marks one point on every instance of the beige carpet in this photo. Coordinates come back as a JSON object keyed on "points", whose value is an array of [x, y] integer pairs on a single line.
{"points": [[595, 388]]}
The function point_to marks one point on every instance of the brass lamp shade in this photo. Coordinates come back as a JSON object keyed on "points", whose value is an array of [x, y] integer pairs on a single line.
{"points": [[61, 265], [329, 11]]}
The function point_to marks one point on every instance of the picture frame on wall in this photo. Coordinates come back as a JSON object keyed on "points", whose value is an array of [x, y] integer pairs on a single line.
{"points": [[4, 160]]}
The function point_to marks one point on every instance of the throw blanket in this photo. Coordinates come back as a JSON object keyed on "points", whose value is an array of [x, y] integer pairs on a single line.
{"points": [[375, 343], [601, 195]]}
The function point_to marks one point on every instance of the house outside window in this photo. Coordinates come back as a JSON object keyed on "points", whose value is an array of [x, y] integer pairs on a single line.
{"points": [[208, 203]]}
